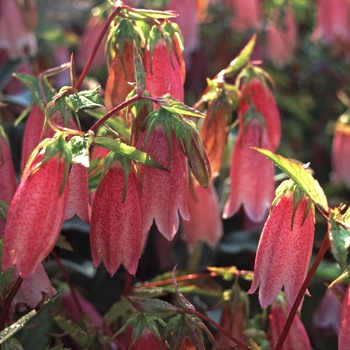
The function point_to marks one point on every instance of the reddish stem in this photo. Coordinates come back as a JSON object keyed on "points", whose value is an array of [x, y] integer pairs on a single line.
{"points": [[68, 280], [310, 275], [110, 18], [117, 109], [8, 302]]}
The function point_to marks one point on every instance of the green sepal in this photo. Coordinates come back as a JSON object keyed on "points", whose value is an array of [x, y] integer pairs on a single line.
{"points": [[140, 73], [339, 236], [155, 35], [5, 276], [32, 83], [241, 60], [343, 277], [141, 14], [153, 307], [301, 176], [173, 105], [51, 147], [127, 151]]}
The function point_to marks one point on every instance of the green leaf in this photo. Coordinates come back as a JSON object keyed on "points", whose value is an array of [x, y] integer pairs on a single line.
{"points": [[127, 151], [153, 307], [79, 146], [86, 99], [342, 278], [140, 73], [241, 60], [173, 105], [138, 14], [15, 327], [339, 238], [32, 83], [301, 177], [63, 243]]}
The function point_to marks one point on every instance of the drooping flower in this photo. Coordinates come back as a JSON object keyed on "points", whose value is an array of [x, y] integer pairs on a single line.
{"points": [[116, 226], [258, 98], [232, 317], [17, 25], [341, 150], [344, 322], [32, 133], [37, 210], [246, 14], [205, 222], [297, 338], [332, 21], [251, 175], [33, 290], [163, 72], [164, 193], [285, 247], [120, 73], [281, 37]]}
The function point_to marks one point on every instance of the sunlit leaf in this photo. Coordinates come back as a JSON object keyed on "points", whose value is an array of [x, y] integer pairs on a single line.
{"points": [[242, 59], [127, 151], [175, 106], [344, 276], [301, 177], [86, 99], [339, 238]]}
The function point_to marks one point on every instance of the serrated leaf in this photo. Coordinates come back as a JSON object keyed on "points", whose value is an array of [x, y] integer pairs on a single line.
{"points": [[301, 177], [86, 99], [173, 105], [32, 83], [153, 307], [242, 59], [127, 151], [339, 238]]}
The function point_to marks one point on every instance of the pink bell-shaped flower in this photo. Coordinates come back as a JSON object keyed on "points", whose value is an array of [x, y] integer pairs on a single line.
{"points": [[285, 247], [33, 290], [297, 338], [37, 210], [162, 75], [281, 37], [205, 222], [344, 322], [246, 14], [251, 175], [332, 21], [164, 193], [341, 150], [116, 224]]}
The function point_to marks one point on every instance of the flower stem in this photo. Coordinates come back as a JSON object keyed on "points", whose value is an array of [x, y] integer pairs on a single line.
{"points": [[115, 110], [310, 275], [8, 302], [110, 18], [68, 280]]}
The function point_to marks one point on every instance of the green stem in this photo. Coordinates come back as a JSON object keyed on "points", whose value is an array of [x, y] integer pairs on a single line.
{"points": [[310, 275], [194, 259], [110, 18]]}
